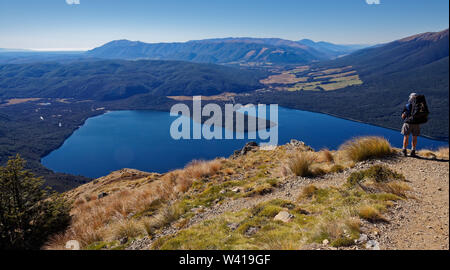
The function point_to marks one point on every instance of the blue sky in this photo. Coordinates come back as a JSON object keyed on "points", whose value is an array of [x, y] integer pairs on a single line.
{"points": [[44, 24]]}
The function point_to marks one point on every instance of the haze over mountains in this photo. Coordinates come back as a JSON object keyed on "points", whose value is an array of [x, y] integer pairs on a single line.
{"points": [[218, 51], [225, 50]]}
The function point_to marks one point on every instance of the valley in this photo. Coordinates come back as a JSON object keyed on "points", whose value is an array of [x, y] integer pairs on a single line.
{"points": [[80, 85], [304, 78]]}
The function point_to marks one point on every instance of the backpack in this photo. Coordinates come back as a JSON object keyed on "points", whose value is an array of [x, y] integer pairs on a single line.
{"points": [[419, 111]]}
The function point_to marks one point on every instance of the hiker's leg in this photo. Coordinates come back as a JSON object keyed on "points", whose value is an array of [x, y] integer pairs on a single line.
{"points": [[414, 142], [405, 141]]}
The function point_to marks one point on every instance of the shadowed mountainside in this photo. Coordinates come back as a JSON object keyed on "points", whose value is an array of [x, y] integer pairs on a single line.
{"points": [[119, 79]]}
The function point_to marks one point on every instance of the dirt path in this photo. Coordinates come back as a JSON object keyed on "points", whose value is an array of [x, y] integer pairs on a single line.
{"points": [[420, 223]]}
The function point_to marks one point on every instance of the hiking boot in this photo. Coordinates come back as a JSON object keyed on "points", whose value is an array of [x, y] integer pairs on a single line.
{"points": [[413, 153], [405, 152]]}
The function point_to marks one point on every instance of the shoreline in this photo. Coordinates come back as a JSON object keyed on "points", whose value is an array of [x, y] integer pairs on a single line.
{"points": [[162, 110]]}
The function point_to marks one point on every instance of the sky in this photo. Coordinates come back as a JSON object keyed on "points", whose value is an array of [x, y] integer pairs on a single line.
{"points": [[85, 24]]}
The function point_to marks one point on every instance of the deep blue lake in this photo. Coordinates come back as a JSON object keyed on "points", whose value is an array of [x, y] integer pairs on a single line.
{"points": [[141, 140]]}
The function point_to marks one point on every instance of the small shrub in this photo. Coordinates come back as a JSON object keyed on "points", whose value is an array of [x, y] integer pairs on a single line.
{"points": [[378, 173], [308, 192], [343, 242], [370, 213], [364, 148], [263, 189]]}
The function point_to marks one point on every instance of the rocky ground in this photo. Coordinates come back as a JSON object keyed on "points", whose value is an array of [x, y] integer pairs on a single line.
{"points": [[420, 222]]}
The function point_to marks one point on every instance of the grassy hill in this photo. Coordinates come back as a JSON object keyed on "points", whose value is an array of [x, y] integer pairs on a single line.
{"points": [[288, 198]]}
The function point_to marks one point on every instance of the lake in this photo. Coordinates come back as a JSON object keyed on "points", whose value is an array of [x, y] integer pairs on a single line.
{"points": [[141, 140]]}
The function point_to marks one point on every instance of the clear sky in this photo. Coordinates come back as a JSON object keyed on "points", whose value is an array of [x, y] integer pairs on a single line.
{"points": [[84, 24]]}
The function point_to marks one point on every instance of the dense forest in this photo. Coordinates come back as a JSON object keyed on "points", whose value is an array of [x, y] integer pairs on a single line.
{"points": [[119, 79]]}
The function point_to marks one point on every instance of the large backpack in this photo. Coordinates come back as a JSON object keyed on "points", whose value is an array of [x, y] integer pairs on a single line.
{"points": [[419, 110]]}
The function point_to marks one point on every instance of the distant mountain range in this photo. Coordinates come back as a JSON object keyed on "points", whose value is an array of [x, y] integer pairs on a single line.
{"points": [[218, 51], [330, 49], [13, 50], [226, 50]]}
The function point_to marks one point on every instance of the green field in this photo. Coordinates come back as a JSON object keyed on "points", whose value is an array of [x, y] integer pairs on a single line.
{"points": [[306, 79]]}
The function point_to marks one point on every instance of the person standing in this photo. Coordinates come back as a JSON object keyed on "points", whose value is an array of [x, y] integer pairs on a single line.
{"points": [[414, 114]]}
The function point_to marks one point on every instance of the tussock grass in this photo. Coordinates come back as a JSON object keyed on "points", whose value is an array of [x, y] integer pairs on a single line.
{"points": [[301, 164], [308, 192], [325, 156], [127, 229], [427, 153], [370, 213], [441, 153], [364, 148], [111, 217]]}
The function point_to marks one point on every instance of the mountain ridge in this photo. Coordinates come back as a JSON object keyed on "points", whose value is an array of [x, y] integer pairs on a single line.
{"points": [[220, 50]]}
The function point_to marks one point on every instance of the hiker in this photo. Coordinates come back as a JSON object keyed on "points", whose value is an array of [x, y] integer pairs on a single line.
{"points": [[414, 114]]}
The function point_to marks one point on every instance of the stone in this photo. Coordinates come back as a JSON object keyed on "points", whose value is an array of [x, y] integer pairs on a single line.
{"points": [[251, 231], [237, 189], [283, 216], [362, 238], [297, 143], [248, 147], [102, 195], [373, 245], [124, 240], [233, 226]]}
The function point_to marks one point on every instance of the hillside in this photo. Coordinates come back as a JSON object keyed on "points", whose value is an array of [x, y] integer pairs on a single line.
{"points": [[389, 74], [363, 196], [119, 79], [223, 51], [399, 56]]}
